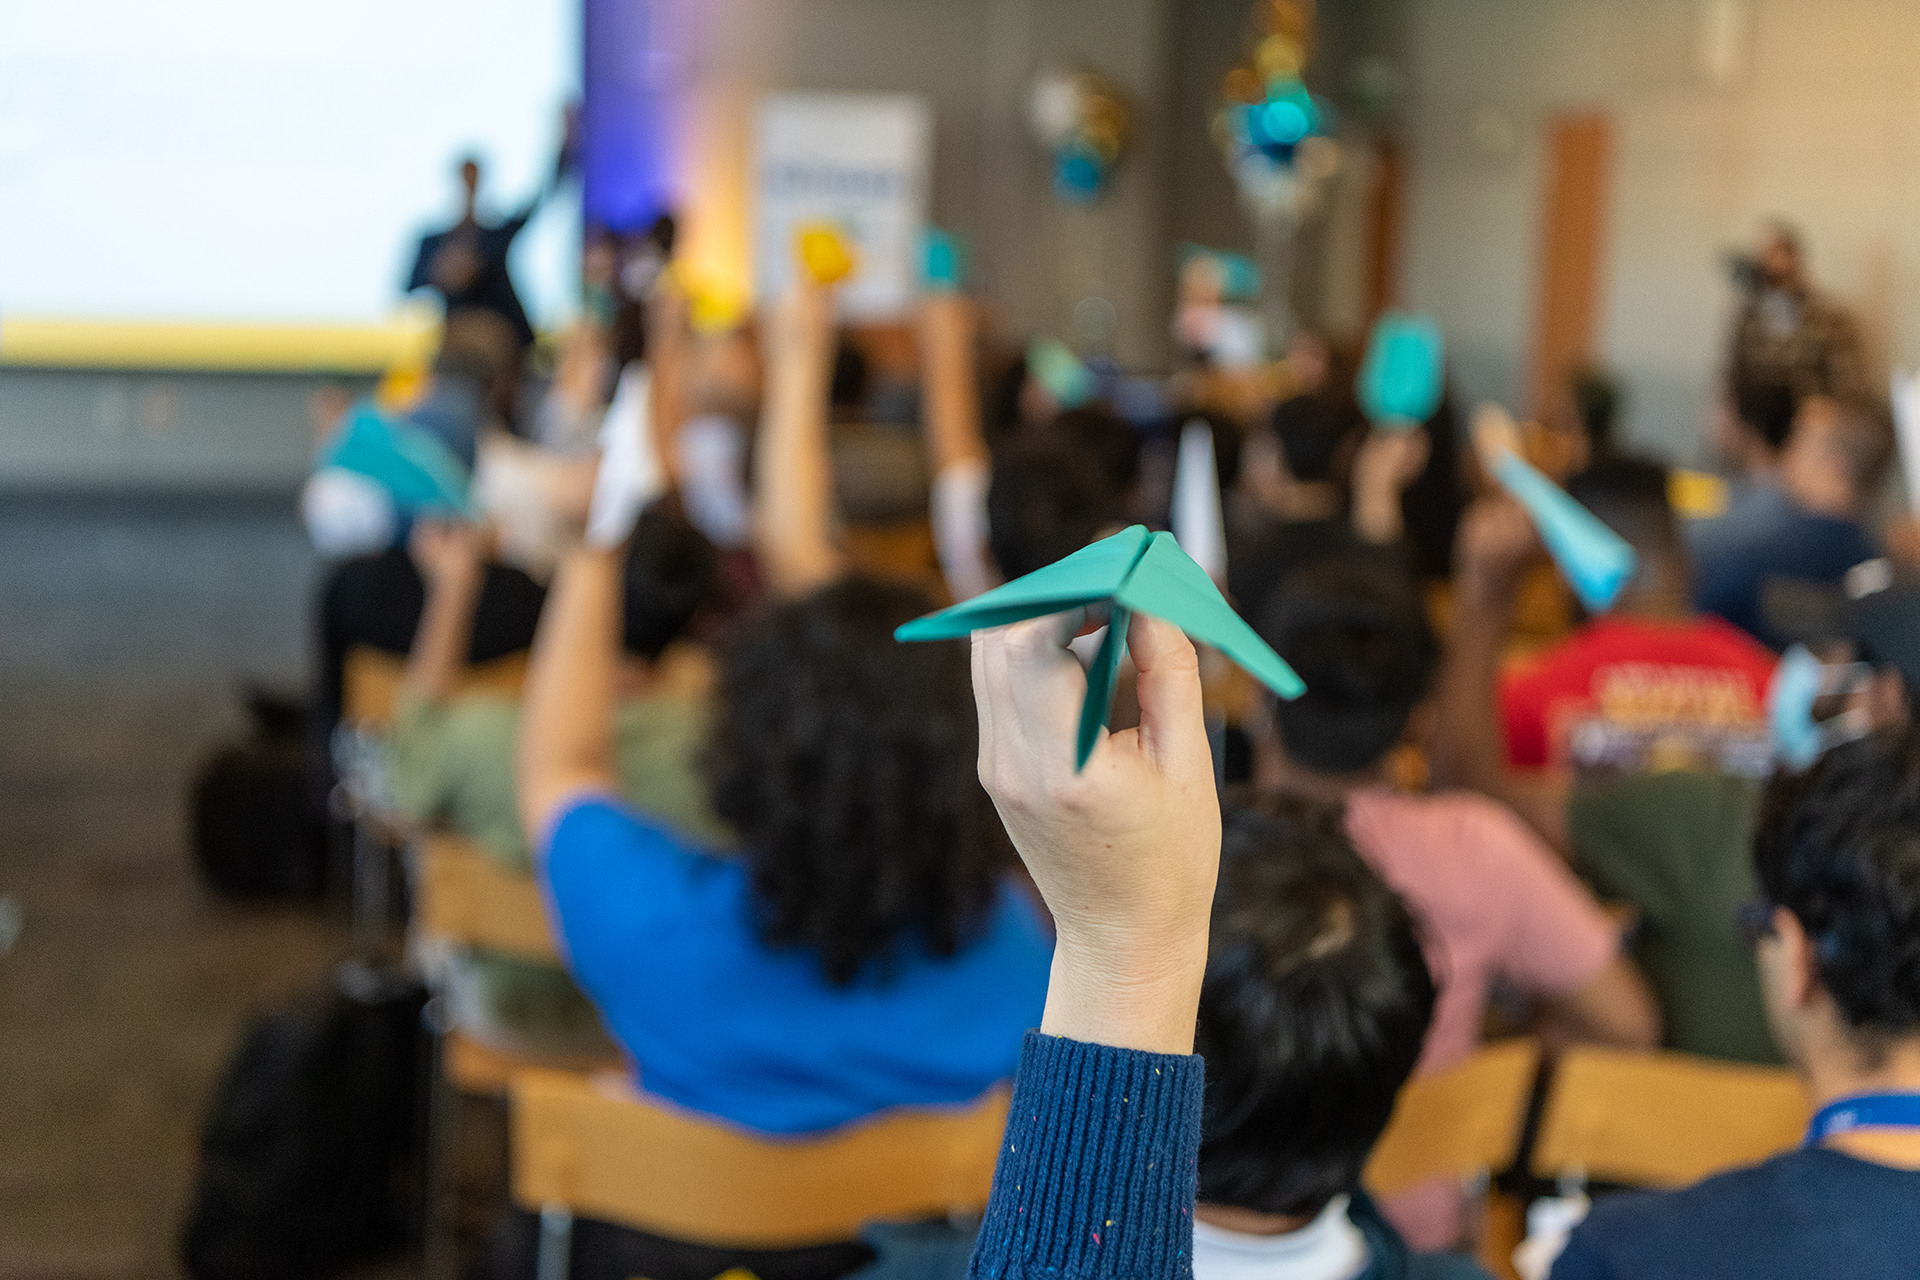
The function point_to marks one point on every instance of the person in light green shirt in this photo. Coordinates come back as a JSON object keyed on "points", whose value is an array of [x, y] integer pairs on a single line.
{"points": [[452, 757]]}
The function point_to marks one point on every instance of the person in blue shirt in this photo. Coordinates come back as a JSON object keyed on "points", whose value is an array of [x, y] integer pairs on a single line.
{"points": [[864, 947], [1806, 525], [1838, 936]]}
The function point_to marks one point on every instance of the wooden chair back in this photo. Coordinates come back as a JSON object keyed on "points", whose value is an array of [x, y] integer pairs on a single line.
{"points": [[464, 896], [1458, 1123], [370, 689], [1664, 1119], [638, 1164]]}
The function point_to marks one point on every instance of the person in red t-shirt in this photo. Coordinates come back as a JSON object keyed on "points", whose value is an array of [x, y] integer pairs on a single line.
{"points": [[1649, 688]]}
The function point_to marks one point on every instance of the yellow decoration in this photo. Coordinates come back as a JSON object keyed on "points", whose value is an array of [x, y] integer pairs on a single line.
{"points": [[1695, 495], [401, 387], [824, 252]]}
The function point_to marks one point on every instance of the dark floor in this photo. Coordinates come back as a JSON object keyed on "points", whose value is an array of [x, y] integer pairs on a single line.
{"points": [[126, 629]]}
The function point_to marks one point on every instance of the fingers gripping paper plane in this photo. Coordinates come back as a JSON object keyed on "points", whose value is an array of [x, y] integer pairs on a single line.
{"points": [[1135, 572]]}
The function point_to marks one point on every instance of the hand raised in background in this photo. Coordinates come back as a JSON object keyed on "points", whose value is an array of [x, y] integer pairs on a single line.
{"points": [[1387, 463], [449, 554]]}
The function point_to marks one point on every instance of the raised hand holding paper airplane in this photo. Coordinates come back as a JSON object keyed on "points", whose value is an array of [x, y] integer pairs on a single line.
{"points": [[418, 472], [943, 262], [1060, 373], [825, 255], [1404, 373], [1132, 571], [1596, 562]]}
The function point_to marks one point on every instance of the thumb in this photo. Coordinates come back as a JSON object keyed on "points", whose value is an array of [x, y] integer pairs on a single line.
{"points": [[1173, 729]]}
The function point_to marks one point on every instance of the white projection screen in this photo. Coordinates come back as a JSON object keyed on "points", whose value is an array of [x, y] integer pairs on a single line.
{"points": [[227, 168]]}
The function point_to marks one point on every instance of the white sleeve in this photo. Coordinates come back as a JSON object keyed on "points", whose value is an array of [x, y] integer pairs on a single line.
{"points": [[959, 509], [711, 452]]}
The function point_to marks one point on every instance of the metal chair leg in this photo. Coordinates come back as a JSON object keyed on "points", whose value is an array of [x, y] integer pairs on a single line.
{"points": [[556, 1243], [440, 1251]]}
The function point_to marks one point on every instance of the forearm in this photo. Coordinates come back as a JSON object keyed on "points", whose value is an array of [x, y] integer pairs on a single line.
{"points": [[793, 483], [951, 390], [438, 660], [1467, 748], [566, 728]]}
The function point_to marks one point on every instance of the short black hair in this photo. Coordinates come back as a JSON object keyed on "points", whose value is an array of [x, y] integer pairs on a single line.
{"points": [[847, 764], [1111, 443], [1596, 403], [1357, 634], [672, 571], [1047, 499], [1313, 1012], [1629, 495], [1767, 409], [1839, 847], [1317, 435], [1864, 438]]}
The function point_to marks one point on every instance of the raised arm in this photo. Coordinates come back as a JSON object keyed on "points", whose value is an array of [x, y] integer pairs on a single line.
{"points": [[450, 557], [1495, 544], [1097, 1174], [1387, 463], [792, 470], [566, 724], [956, 452]]}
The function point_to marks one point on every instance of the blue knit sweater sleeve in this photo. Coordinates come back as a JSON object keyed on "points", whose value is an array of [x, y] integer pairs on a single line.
{"points": [[1097, 1172]]}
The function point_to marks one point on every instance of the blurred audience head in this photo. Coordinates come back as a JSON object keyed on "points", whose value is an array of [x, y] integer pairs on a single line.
{"points": [[1313, 1011], [1318, 436], [1837, 857], [1595, 396], [468, 167], [1630, 497], [1357, 634], [1782, 265], [846, 763], [1838, 454], [1048, 498], [672, 571]]}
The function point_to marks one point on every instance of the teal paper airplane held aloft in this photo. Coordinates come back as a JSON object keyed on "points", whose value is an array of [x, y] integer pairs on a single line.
{"points": [[1138, 572]]}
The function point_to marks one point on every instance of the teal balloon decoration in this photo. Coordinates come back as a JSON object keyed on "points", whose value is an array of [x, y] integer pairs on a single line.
{"points": [[1596, 562], [1404, 373]]}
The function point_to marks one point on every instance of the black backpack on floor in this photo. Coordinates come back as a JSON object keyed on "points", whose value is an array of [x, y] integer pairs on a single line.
{"points": [[308, 1159], [256, 833]]}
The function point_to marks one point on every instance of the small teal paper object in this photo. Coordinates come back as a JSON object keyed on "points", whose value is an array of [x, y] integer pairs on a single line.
{"points": [[1404, 372], [1134, 571], [943, 262], [421, 474], [1060, 372], [1596, 561], [1799, 681]]}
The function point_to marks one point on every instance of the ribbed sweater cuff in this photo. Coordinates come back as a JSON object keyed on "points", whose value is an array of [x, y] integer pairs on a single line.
{"points": [[1097, 1172]]}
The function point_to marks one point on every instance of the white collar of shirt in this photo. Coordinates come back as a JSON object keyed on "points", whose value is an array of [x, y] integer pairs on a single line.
{"points": [[1328, 1248]]}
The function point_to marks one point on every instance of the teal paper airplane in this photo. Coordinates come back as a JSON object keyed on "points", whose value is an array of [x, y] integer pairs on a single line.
{"points": [[1137, 572]]}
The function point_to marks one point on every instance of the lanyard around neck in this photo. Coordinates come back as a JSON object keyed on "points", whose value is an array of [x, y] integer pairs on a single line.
{"points": [[1864, 1111]]}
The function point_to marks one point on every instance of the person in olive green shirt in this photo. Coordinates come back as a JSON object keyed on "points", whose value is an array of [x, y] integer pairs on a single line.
{"points": [[452, 756]]}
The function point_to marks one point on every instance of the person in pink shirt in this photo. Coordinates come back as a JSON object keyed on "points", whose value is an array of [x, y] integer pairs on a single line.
{"points": [[1496, 904]]}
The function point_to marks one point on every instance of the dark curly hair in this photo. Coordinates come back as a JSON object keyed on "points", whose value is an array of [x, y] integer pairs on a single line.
{"points": [[1313, 1011], [1839, 847], [848, 765]]}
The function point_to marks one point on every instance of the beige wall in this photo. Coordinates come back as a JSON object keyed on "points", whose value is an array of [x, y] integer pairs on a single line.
{"points": [[972, 59], [1821, 124]]}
